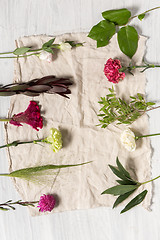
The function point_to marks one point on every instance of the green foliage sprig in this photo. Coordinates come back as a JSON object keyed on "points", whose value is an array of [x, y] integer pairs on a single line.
{"points": [[117, 110], [126, 187], [127, 35], [9, 204], [48, 46]]}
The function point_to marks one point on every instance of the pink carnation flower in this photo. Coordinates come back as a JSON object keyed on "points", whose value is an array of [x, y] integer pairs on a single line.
{"points": [[46, 203], [111, 70], [31, 117]]}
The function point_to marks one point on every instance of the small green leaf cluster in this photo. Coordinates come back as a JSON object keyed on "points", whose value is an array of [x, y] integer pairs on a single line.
{"points": [[127, 35], [126, 187], [117, 110], [48, 46]]}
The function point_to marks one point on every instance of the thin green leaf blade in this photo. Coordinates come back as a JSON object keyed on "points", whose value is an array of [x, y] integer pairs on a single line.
{"points": [[48, 44], [122, 169], [4, 209], [33, 170], [120, 189], [21, 50], [118, 173], [119, 16], [121, 198], [102, 32], [128, 40], [135, 201], [126, 182]]}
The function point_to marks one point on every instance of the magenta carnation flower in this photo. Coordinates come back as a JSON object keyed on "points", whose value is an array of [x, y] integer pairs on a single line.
{"points": [[46, 203], [31, 117], [111, 70]]}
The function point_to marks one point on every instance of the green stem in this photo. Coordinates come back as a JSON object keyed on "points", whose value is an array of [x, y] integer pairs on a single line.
{"points": [[148, 135], [5, 119], [35, 50], [143, 13], [24, 56], [16, 143], [6, 53], [129, 68], [151, 180], [31, 50]]}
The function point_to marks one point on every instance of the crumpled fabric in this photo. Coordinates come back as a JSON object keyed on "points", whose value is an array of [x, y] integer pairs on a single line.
{"points": [[78, 187]]}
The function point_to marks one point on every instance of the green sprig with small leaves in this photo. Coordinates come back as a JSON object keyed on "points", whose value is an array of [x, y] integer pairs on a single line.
{"points": [[127, 186], [48, 46], [127, 35], [118, 110], [9, 204]]}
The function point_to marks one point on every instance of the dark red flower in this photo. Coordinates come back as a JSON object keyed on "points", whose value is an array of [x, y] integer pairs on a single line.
{"points": [[31, 117], [111, 70]]}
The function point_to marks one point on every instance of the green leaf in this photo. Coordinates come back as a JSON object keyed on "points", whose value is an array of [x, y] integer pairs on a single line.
{"points": [[13, 208], [122, 169], [4, 209], [118, 173], [150, 103], [27, 173], [21, 51], [140, 97], [126, 182], [48, 49], [121, 198], [102, 32], [141, 16], [135, 201], [128, 40], [119, 17], [48, 44], [120, 189]]}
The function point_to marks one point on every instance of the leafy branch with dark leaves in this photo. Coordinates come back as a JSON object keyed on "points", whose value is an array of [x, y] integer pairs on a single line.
{"points": [[48, 84], [118, 110], [127, 35], [127, 186]]}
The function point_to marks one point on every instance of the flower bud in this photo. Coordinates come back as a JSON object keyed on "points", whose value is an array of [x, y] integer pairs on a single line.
{"points": [[63, 46]]}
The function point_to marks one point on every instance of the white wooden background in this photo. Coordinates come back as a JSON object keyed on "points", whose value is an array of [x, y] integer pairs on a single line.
{"points": [[27, 17]]}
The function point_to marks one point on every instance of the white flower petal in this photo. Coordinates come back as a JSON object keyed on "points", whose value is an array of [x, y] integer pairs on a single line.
{"points": [[46, 56], [128, 140], [64, 46]]}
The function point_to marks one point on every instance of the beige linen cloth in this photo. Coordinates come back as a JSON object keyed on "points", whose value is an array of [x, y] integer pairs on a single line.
{"points": [[77, 187]]}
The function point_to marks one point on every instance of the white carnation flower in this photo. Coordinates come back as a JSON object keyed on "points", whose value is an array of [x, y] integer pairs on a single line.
{"points": [[63, 46], [46, 56], [128, 140]]}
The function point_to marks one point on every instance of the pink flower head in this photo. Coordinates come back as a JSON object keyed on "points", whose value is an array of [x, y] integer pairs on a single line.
{"points": [[46, 203], [111, 70], [31, 117]]}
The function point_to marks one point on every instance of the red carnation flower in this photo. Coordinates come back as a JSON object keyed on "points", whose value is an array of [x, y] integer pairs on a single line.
{"points": [[31, 117], [46, 203], [111, 70]]}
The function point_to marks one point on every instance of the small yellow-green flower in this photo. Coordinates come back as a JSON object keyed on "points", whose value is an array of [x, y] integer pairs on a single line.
{"points": [[54, 139]]}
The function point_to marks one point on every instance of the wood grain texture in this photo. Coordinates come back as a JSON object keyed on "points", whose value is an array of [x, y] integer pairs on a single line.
{"points": [[18, 18]]}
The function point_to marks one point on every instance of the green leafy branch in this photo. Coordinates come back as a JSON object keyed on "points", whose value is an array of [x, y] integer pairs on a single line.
{"points": [[48, 46], [118, 110], [127, 35], [127, 186]]}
